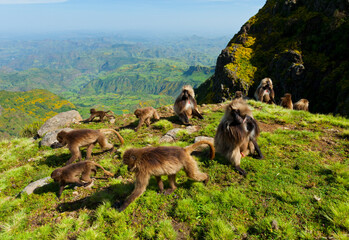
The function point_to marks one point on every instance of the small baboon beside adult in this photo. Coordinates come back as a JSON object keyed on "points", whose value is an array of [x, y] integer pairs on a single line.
{"points": [[85, 138], [265, 91], [185, 105], [78, 173], [238, 95], [286, 101], [158, 161], [302, 104], [145, 115], [100, 114], [237, 134]]}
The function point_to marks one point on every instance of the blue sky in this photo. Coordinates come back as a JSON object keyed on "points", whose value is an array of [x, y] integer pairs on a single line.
{"points": [[201, 17]]}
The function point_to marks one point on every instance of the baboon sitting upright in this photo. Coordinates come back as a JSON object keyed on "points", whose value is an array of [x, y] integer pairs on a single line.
{"points": [[185, 105], [265, 92], [237, 134], [286, 101], [144, 115], [238, 94]]}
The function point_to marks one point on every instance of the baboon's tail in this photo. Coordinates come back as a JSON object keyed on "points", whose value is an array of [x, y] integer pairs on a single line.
{"points": [[112, 130], [105, 171], [189, 149]]}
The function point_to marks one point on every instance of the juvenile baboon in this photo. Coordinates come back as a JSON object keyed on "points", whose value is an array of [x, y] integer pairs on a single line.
{"points": [[238, 94], [78, 173], [85, 138], [237, 134], [286, 101], [185, 105], [158, 161], [265, 92], [144, 115], [302, 104], [100, 114]]}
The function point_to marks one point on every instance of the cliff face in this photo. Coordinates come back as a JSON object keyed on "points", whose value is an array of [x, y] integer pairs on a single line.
{"points": [[302, 45]]}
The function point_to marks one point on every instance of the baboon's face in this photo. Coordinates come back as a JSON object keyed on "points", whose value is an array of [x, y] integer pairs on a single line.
{"points": [[55, 175], [185, 95], [137, 112], [129, 159], [59, 137], [92, 110]]}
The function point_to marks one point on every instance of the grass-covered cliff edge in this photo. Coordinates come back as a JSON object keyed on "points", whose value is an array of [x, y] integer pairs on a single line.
{"points": [[301, 45], [302, 185]]}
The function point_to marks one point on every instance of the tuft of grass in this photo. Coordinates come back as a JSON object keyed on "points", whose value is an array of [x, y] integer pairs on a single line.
{"points": [[337, 214], [31, 130], [163, 125]]}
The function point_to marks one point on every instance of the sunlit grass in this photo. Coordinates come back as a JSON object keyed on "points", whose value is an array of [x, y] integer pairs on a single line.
{"points": [[302, 186]]}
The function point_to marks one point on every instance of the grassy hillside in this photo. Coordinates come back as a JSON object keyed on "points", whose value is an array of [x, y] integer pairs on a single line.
{"points": [[302, 185], [18, 109]]}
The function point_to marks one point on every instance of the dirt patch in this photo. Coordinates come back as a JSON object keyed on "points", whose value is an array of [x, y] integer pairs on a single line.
{"points": [[271, 127]]}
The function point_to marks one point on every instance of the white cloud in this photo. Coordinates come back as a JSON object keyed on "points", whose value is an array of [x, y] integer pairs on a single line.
{"points": [[30, 1]]}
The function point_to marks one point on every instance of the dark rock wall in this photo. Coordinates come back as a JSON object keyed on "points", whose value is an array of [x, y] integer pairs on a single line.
{"points": [[302, 45]]}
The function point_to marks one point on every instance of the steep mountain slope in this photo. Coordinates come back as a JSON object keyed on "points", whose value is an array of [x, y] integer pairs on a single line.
{"points": [[301, 45], [20, 108]]}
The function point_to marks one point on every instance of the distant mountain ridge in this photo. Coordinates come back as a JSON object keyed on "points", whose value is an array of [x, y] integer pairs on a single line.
{"points": [[301, 45], [161, 77]]}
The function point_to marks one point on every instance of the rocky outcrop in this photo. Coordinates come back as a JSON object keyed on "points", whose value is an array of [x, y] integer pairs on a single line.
{"points": [[51, 137], [34, 185], [60, 120], [171, 135], [300, 45]]}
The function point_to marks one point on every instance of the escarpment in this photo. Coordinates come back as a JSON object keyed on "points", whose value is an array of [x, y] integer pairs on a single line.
{"points": [[300, 45]]}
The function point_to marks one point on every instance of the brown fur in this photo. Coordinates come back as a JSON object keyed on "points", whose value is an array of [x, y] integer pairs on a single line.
{"points": [[265, 92], [100, 114], [78, 173], [158, 161], [85, 138], [144, 115], [237, 133], [185, 105], [286, 101], [302, 104], [238, 94]]}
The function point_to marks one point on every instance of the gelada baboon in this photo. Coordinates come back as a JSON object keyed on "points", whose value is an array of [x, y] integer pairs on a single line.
{"points": [[302, 104], [100, 114], [185, 105], [85, 138], [237, 134], [78, 173], [265, 92], [144, 115], [238, 94], [158, 161], [286, 101]]}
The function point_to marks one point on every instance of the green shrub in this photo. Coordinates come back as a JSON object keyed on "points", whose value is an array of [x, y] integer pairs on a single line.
{"points": [[30, 130]]}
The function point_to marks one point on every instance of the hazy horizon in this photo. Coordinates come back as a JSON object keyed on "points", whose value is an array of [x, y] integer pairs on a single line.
{"points": [[208, 18]]}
